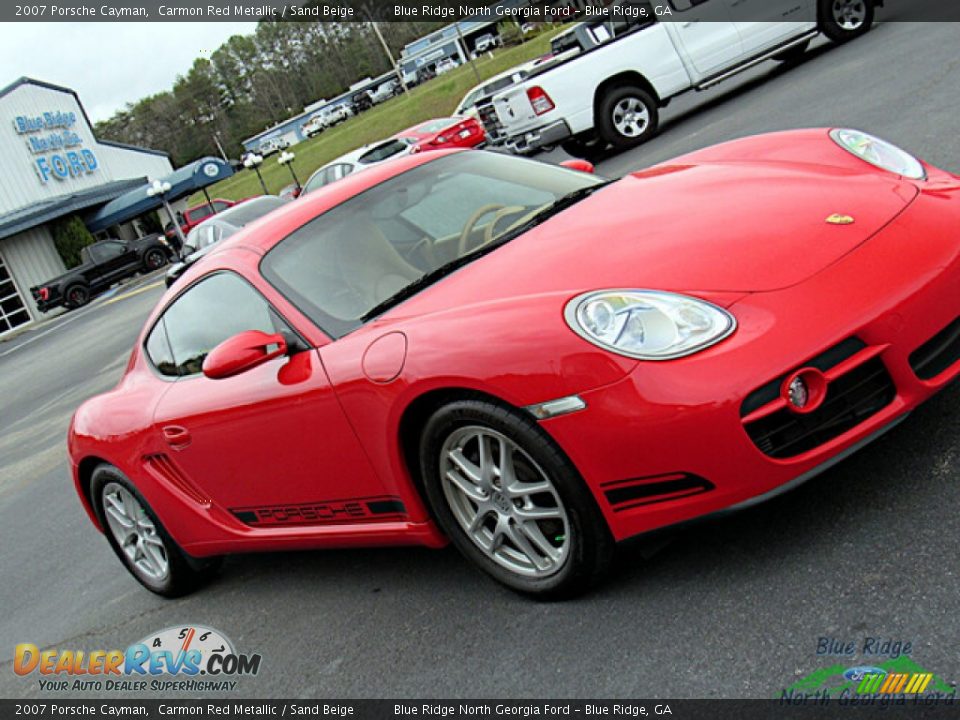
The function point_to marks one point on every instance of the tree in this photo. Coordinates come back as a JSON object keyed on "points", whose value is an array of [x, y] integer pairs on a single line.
{"points": [[70, 236]]}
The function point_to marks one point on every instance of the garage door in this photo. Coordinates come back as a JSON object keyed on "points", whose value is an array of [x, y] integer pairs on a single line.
{"points": [[13, 312]]}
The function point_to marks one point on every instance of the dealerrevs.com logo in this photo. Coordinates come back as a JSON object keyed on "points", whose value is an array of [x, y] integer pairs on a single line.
{"points": [[183, 658]]}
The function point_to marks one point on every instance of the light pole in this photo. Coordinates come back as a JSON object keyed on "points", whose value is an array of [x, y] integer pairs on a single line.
{"points": [[286, 158], [254, 161], [161, 188]]}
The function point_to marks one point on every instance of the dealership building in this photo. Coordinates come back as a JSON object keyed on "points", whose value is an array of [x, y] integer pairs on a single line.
{"points": [[55, 167]]}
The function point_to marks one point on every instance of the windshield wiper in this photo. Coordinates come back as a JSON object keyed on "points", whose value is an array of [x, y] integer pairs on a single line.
{"points": [[424, 280], [558, 205]]}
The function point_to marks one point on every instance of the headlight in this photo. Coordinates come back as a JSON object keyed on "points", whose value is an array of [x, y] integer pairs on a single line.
{"points": [[648, 324], [879, 152]]}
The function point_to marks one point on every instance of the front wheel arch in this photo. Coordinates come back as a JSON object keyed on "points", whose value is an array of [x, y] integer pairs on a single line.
{"points": [[412, 423]]}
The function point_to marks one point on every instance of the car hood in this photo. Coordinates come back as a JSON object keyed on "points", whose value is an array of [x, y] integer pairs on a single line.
{"points": [[718, 227]]}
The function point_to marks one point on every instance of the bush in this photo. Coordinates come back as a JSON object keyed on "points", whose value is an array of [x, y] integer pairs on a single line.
{"points": [[151, 223], [70, 236]]}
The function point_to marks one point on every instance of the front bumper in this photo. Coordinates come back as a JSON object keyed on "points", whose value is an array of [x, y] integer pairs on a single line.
{"points": [[670, 442], [541, 137]]}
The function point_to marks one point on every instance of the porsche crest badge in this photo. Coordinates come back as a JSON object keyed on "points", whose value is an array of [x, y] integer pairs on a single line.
{"points": [[838, 219]]}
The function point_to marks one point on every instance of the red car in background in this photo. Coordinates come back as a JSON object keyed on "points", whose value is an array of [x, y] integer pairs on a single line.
{"points": [[191, 217], [526, 360], [444, 134]]}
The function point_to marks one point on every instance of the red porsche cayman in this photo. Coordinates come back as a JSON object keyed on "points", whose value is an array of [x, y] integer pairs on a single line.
{"points": [[527, 360]]}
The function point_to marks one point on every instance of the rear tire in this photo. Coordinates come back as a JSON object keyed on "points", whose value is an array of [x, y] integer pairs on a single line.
{"points": [[627, 116], [76, 296], [517, 509], [844, 20], [140, 540]]}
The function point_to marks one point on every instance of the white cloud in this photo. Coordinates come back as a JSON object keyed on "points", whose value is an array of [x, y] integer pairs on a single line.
{"points": [[109, 64]]}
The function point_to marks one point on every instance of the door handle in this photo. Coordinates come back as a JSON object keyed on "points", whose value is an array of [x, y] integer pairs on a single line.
{"points": [[177, 437], [689, 23]]}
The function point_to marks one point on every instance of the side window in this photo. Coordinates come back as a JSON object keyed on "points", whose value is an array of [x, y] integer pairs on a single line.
{"points": [[207, 235], [220, 205], [195, 237], [158, 350], [106, 251], [210, 312], [198, 214], [681, 5], [332, 174]]}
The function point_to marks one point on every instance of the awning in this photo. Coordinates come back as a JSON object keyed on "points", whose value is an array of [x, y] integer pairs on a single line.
{"points": [[184, 182], [46, 210]]}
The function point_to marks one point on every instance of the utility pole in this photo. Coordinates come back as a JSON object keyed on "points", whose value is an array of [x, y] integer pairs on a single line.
{"points": [[386, 49], [216, 139], [469, 54]]}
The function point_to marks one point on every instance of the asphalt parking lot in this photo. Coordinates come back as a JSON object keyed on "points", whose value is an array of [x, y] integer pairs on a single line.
{"points": [[729, 608]]}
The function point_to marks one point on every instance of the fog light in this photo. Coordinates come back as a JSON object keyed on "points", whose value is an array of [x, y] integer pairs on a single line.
{"points": [[804, 390]]}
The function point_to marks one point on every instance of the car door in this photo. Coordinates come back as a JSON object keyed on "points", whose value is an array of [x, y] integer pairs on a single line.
{"points": [[270, 445], [706, 37], [114, 260], [764, 24]]}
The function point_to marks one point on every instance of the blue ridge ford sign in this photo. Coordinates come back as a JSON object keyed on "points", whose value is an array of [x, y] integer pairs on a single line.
{"points": [[57, 147]]}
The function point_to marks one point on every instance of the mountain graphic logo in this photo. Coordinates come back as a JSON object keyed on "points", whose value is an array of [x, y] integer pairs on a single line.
{"points": [[898, 676]]}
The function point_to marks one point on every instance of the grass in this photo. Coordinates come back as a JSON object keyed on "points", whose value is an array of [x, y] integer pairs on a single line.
{"points": [[435, 98]]}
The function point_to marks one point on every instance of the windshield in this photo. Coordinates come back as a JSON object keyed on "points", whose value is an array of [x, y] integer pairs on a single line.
{"points": [[382, 152], [345, 263], [434, 126], [253, 209]]}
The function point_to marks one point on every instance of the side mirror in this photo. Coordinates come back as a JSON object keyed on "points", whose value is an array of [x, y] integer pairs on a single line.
{"points": [[581, 165], [244, 351]]}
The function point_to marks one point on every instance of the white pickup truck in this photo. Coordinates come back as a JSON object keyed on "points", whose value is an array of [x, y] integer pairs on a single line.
{"points": [[610, 93]]}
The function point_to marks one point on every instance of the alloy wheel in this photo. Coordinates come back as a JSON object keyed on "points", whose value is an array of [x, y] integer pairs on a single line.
{"points": [[135, 532], [849, 14], [631, 117], [504, 502]]}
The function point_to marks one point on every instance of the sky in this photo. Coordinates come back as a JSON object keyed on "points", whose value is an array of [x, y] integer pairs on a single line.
{"points": [[109, 64]]}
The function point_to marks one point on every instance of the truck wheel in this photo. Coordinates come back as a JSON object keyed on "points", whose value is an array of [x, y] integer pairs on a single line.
{"points": [[627, 116], [843, 20], [76, 296], [154, 259]]}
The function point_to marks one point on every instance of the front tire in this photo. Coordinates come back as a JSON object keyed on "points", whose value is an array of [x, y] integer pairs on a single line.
{"points": [[140, 540], [627, 116], [154, 259], [844, 20], [511, 502]]}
